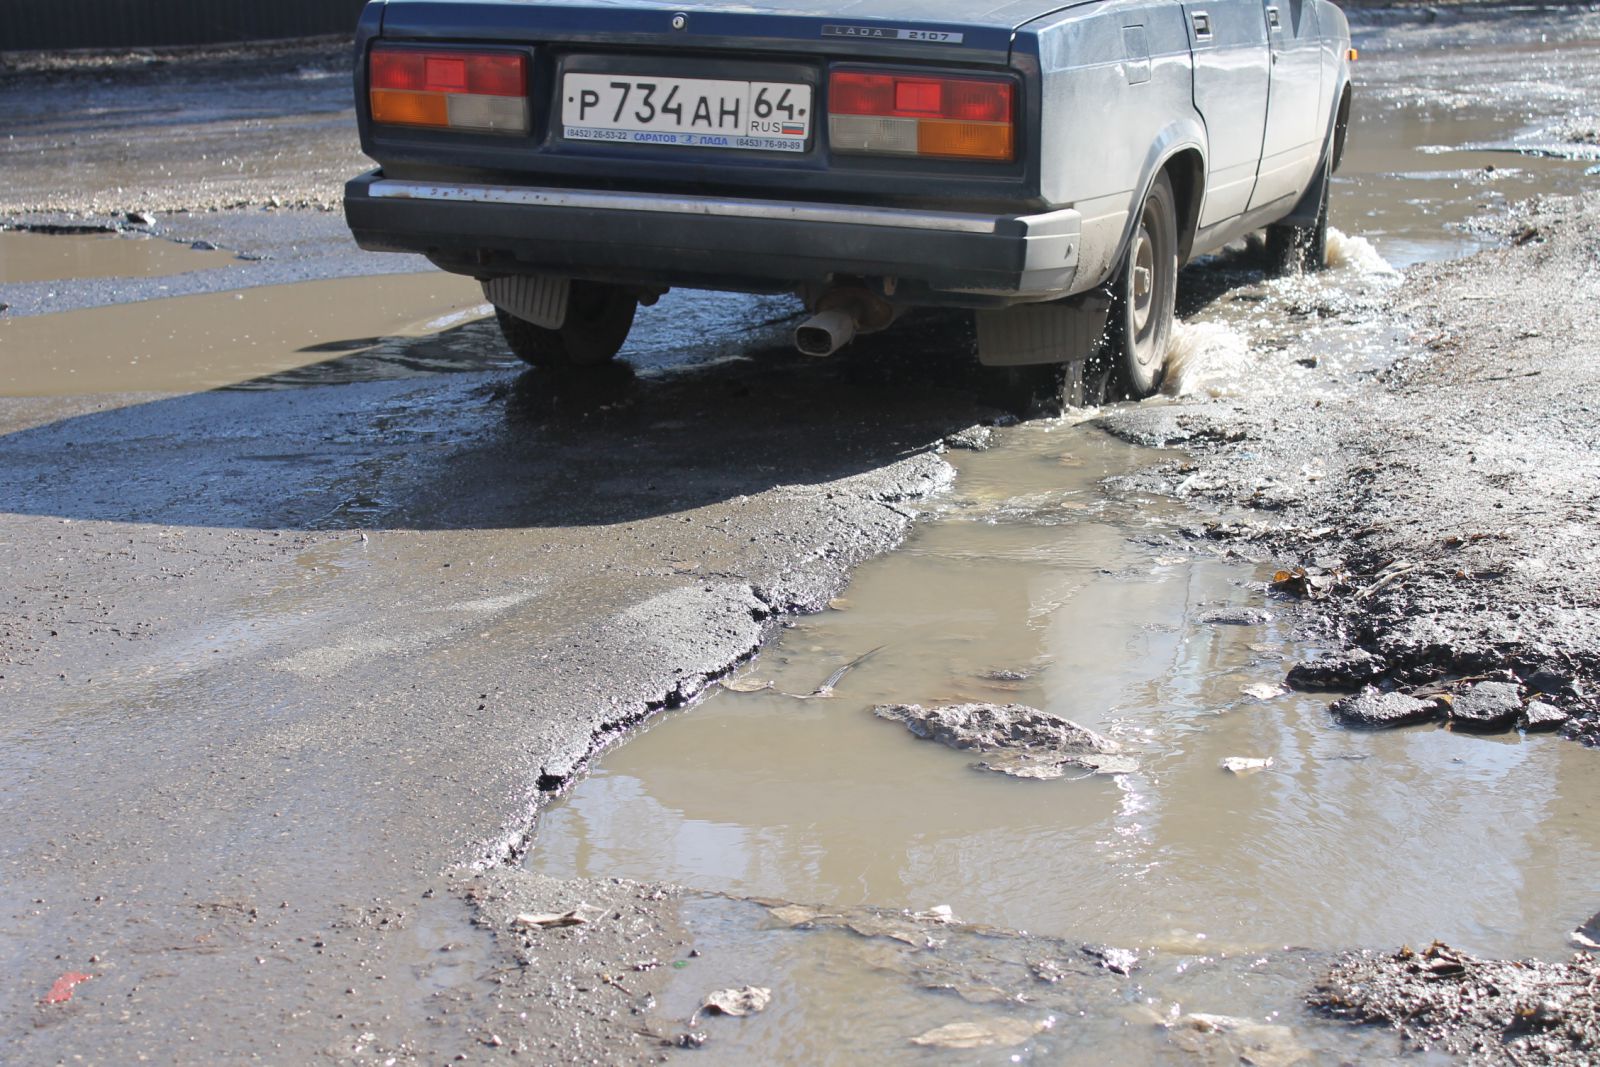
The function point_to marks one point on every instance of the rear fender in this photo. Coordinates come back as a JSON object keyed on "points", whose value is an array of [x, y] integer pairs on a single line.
{"points": [[1182, 135]]}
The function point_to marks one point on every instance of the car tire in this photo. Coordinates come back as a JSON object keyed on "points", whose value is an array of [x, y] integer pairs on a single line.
{"points": [[1295, 249], [1144, 293], [599, 317]]}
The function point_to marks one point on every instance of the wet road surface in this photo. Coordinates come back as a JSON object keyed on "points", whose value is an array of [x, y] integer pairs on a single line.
{"points": [[282, 660]]}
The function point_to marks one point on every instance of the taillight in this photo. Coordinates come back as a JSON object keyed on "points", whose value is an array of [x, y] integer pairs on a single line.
{"points": [[877, 112], [485, 91]]}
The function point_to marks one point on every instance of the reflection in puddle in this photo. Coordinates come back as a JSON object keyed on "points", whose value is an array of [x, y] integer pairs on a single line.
{"points": [[37, 257], [189, 343]]}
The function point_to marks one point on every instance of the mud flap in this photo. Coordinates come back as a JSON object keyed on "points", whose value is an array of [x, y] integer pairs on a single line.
{"points": [[1065, 331], [537, 298]]}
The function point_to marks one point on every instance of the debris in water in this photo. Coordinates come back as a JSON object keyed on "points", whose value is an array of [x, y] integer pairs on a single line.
{"points": [[1541, 716], [939, 913], [555, 920], [1030, 743], [1376, 710], [1115, 960], [1487, 707], [1236, 617], [1587, 936], [825, 690], [747, 684], [1303, 583], [737, 1002], [1350, 669], [1261, 1044], [1263, 690], [1245, 764], [839, 603], [61, 989], [988, 1033]]}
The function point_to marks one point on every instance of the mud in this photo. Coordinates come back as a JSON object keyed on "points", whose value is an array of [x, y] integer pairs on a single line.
{"points": [[1485, 1011]]}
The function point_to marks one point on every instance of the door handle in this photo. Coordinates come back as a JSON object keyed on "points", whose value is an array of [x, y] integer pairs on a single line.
{"points": [[1272, 18], [1202, 25]]}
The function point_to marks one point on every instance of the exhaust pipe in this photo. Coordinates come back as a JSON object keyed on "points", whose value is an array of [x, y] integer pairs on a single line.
{"points": [[825, 333]]}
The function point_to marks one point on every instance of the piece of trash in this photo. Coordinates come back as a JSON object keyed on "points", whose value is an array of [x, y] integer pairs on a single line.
{"points": [[1299, 582], [826, 688], [1115, 960], [61, 990], [1245, 764], [737, 1002], [939, 913], [1263, 690], [555, 920], [990, 1033], [746, 684]]}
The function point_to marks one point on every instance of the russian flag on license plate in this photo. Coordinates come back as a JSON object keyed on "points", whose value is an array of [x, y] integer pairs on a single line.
{"points": [[794, 129]]}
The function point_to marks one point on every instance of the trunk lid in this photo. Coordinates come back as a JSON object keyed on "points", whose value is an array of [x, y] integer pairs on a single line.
{"points": [[951, 31]]}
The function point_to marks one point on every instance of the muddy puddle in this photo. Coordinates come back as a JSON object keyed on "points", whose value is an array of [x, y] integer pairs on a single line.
{"points": [[214, 340], [1430, 149], [37, 257], [1037, 583]]}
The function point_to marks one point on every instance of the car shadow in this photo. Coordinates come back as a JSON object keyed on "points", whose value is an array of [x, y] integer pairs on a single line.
{"points": [[389, 438]]}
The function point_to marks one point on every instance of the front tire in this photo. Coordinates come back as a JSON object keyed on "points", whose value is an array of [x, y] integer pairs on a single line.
{"points": [[599, 317], [1144, 295]]}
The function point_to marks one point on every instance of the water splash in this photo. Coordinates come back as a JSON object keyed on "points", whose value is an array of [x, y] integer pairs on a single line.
{"points": [[1207, 359], [1347, 252]]}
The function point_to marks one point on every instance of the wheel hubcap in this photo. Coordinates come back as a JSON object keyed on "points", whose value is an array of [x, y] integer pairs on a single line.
{"points": [[1144, 273]]}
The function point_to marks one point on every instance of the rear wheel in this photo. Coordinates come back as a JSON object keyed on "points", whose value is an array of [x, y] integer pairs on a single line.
{"points": [[599, 317], [1144, 294], [1295, 249]]}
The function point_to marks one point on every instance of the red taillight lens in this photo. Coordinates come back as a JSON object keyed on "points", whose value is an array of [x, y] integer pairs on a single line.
{"points": [[486, 91], [882, 113]]}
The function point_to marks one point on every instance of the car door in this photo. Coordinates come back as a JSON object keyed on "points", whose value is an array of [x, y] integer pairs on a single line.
{"points": [[1293, 141], [1228, 40]]}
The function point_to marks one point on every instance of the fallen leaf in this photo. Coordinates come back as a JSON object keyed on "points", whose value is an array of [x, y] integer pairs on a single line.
{"points": [[746, 684], [1245, 764], [991, 1033], [61, 990], [736, 1002], [553, 920], [1263, 690]]}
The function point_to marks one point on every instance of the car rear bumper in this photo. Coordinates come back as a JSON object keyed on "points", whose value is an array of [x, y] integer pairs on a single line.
{"points": [[718, 242]]}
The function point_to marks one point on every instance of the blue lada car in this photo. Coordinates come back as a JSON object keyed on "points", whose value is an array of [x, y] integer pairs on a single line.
{"points": [[1048, 165]]}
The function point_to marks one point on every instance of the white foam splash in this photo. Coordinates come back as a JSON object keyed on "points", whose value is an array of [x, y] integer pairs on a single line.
{"points": [[1206, 359], [1347, 252]]}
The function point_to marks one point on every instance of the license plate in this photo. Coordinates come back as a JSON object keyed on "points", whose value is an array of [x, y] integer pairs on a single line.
{"points": [[697, 112]]}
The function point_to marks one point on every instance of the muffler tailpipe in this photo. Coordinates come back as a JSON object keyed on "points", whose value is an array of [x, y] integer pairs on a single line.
{"points": [[825, 333]]}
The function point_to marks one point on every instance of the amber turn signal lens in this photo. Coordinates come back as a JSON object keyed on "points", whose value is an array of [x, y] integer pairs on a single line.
{"points": [[965, 140], [409, 109]]}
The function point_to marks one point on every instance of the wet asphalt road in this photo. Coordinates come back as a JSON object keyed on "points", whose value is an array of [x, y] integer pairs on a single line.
{"points": [[282, 667], [277, 661]]}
